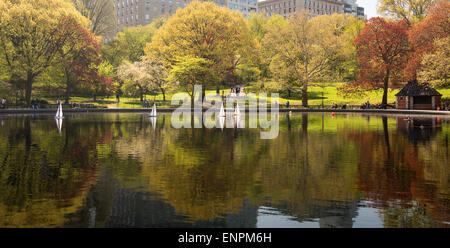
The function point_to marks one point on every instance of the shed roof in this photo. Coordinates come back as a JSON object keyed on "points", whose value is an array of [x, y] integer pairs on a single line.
{"points": [[413, 88]]}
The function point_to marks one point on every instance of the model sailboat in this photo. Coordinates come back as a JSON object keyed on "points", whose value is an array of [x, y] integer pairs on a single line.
{"points": [[153, 113], [222, 111], [59, 113], [221, 123], [59, 118]]}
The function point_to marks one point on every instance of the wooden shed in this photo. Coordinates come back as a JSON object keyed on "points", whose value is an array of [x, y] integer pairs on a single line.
{"points": [[418, 96]]}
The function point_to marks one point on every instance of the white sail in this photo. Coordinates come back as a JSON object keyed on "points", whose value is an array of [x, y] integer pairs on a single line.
{"points": [[222, 111], [221, 122], [237, 111], [153, 114], [59, 113]]}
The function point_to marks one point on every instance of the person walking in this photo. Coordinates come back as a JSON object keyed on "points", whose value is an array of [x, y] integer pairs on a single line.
{"points": [[3, 103]]}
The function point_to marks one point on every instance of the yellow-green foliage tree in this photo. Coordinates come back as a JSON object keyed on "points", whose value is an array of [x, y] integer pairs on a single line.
{"points": [[189, 71], [129, 46], [436, 64], [412, 10], [204, 30], [260, 26], [130, 43], [30, 35], [307, 48]]}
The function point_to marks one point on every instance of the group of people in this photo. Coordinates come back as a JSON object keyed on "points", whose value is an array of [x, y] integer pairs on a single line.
{"points": [[366, 105], [335, 106], [3, 103], [147, 103]]}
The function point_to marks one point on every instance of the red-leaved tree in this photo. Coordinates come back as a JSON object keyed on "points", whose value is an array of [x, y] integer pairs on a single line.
{"points": [[80, 57], [382, 50]]}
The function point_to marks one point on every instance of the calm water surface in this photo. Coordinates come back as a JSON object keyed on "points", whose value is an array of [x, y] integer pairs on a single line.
{"points": [[122, 170]]}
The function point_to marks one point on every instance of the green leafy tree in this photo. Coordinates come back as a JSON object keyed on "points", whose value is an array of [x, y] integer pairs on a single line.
{"points": [[260, 59], [204, 30], [436, 64], [304, 49], [130, 43], [190, 71], [30, 35], [78, 57], [258, 25]]}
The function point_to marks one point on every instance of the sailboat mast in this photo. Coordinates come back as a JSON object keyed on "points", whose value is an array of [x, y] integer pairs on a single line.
{"points": [[222, 111], [57, 112]]}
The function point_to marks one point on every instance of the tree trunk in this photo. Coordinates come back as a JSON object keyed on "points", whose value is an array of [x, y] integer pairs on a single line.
{"points": [[385, 88], [200, 96], [164, 94], [66, 101], [67, 87], [203, 95], [28, 88], [305, 94]]}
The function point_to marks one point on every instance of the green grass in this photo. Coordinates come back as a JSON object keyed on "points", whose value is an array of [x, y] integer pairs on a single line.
{"points": [[330, 95]]}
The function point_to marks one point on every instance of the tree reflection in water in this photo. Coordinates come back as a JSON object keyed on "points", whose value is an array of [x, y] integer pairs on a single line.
{"points": [[122, 170]]}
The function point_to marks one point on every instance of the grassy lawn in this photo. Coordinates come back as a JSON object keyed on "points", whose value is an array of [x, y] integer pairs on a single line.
{"points": [[330, 95]]}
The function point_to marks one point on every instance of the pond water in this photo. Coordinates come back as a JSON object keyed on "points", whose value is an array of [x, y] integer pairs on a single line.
{"points": [[123, 170]]}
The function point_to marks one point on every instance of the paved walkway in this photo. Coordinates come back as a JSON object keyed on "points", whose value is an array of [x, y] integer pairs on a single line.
{"points": [[169, 110]]}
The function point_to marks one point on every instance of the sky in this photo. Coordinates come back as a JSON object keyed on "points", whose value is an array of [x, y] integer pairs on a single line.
{"points": [[370, 7]]}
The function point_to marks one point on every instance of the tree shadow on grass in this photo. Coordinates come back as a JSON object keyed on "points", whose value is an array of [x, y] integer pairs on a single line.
{"points": [[298, 95]]}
